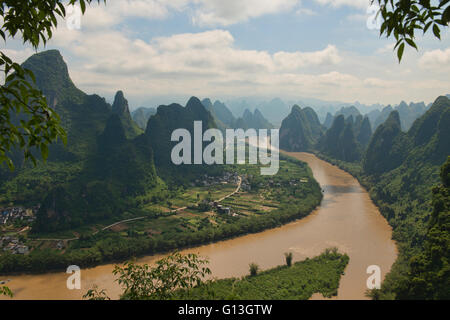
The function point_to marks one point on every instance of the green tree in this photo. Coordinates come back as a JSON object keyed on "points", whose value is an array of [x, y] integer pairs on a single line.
{"points": [[429, 274], [177, 271], [404, 18], [27, 122], [253, 269], [288, 256]]}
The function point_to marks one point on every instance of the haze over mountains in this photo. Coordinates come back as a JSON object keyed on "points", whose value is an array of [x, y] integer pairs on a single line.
{"points": [[256, 113], [141, 116], [276, 110]]}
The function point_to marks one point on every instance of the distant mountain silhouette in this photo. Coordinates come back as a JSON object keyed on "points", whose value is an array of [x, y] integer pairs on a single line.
{"points": [[221, 114], [224, 118], [328, 120], [409, 113], [300, 130], [253, 120], [141, 116], [364, 132], [348, 111]]}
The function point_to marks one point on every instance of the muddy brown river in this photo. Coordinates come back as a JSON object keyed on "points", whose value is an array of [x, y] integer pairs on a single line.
{"points": [[347, 219]]}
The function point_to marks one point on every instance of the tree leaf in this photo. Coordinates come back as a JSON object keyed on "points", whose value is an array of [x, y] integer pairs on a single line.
{"points": [[400, 50], [446, 16], [411, 43], [44, 151], [436, 31]]}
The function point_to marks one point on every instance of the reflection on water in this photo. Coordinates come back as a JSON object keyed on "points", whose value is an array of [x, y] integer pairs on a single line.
{"points": [[347, 219], [331, 189]]}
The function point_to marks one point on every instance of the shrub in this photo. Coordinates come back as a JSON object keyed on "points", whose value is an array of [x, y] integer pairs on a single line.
{"points": [[253, 269], [288, 256]]}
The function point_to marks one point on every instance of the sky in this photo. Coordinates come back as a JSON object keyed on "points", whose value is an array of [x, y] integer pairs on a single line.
{"points": [[163, 51]]}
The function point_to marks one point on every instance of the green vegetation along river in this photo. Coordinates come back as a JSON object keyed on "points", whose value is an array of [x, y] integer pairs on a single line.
{"points": [[347, 219]]}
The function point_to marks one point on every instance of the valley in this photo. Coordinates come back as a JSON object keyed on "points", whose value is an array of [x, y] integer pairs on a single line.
{"points": [[346, 219], [212, 209], [114, 193]]}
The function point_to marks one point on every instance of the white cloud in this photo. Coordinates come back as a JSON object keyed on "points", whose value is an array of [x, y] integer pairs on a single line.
{"points": [[436, 60], [18, 56], [202, 12], [357, 17], [381, 83], [219, 12], [210, 64], [197, 41], [114, 12], [305, 12], [360, 4], [386, 49], [109, 60], [210, 52], [297, 60], [103, 58]]}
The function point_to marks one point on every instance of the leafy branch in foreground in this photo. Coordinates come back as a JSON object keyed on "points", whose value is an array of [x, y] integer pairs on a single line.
{"points": [[403, 18], [177, 271], [26, 120], [5, 291], [96, 294]]}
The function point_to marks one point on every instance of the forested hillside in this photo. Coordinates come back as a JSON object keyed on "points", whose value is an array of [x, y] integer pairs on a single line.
{"points": [[159, 132], [108, 160], [344, 137], [83, 117], [340, 140], [301, 130], [400, 170], [429, 273]]}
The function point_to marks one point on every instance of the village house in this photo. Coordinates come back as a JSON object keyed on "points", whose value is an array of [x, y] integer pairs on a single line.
{"points": [[12, 214]]}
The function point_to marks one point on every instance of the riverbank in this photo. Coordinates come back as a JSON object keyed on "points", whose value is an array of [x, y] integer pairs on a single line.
{"points": [[346, 219], [289, 198], [403, 197]]}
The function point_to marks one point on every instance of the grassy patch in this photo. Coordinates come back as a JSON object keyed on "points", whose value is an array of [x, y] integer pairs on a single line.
{"points": [[321, 274]]}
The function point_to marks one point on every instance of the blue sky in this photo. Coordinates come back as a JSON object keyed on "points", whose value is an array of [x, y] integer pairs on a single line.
{"points": [[167, 50]]}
